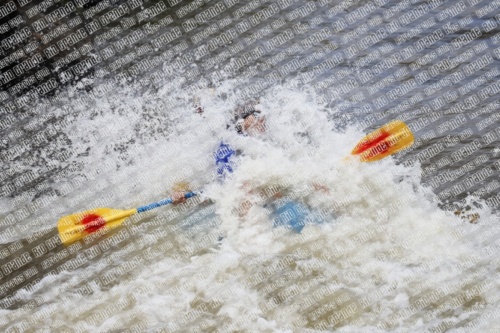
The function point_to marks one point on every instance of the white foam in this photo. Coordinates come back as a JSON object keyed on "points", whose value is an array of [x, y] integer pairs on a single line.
{"points": [[389, 260]]}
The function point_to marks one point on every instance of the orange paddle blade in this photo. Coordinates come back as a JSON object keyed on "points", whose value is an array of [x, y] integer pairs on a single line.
{"points": [[385, 141], [76, 226]]}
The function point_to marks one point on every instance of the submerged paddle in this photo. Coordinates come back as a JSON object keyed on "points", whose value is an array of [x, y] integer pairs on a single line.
{"points": [[76, 226], [382, 142], [385, 141]]}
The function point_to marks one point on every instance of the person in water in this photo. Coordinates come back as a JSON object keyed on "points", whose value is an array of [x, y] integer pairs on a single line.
{"points": [[248, 120]]}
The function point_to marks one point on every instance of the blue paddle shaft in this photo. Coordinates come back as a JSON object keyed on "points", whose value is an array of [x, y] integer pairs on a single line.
{"points": [[162, 203]]}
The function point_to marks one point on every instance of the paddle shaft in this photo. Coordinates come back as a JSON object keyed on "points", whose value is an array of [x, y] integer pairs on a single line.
{"points": [[130, 212], [163, 202]]}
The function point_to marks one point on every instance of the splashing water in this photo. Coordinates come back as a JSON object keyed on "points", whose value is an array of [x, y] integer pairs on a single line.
{"points": [[383, 258]]}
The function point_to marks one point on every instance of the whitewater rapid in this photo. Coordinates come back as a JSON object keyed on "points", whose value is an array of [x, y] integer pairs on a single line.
{"points": [[384, 258]]}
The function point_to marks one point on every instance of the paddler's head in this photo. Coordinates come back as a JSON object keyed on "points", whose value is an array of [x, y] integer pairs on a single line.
{"points": [[248, 119]]}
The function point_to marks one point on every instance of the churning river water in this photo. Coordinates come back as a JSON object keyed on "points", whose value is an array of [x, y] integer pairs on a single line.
{"points": [[404, 244]]}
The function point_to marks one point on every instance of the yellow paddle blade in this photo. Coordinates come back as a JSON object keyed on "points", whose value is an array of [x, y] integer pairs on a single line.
{"points": [[385, 141], [76, 226]]}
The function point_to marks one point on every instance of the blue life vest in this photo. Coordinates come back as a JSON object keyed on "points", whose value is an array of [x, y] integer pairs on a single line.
{"points": [[293, 214], [223, 159]]}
